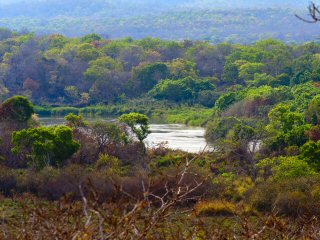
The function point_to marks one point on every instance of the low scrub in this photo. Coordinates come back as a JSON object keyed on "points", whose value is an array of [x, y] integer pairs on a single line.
{"points": [[215, 208]]}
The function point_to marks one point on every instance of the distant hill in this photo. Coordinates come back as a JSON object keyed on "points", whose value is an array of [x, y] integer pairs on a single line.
{"points": [[214, 20], [51, 8]]}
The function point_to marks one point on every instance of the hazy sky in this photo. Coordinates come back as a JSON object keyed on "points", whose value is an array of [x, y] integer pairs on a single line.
{"points": [[230, 3]]}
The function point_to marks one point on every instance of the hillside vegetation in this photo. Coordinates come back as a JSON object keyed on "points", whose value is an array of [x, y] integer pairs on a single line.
{"points": [[217, 21]]}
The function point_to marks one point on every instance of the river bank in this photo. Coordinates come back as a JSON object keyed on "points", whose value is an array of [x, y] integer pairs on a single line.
{"points": [[157, 112], [174, 136]]}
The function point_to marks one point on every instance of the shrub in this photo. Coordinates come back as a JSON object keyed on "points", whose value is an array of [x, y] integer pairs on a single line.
{"points": [[231, 186], [286, 167], [110, 163], [292, 204], [270, 194], [7, 181], [45, 146], [215, 208], [316, 193], [17, 108]]}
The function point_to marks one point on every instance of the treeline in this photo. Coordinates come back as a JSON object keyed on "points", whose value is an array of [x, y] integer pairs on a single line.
{"points": [[59, 71]]}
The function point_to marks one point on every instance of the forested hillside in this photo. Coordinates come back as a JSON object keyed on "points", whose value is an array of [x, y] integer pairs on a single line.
{"points": [[216, 21], [56, 70]]}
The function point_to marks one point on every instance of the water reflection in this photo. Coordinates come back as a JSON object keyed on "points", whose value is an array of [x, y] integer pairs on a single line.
{"points": [[176, 136]]}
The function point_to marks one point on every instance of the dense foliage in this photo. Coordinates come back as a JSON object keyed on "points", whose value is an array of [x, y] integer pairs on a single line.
{"points": [[45, 146], [59, 71]]}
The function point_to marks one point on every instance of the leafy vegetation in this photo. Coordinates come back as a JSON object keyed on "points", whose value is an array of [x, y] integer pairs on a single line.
{"points": [[259, 104]]}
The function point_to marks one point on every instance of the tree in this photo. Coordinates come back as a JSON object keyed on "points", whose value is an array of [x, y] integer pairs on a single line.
{"points": [[75, 121], [230, 74], [232, 137], [282, 118], [286, 168], [283, 79], [180, 68], [207, 98], [72, 93], [131, 56], [182, 89], [17, 108], [89, 38], [57, 41], [106, 133], [310, 153], [219, 128], [45, 146], [88, 52], [246, 141], [263, 79], [286, 127], [147, 76], [313, 111], [15, 115], [173, 90], [226, 100], [5, 34], [248, 70], [100, 67], [138, 123], [314, 13]]}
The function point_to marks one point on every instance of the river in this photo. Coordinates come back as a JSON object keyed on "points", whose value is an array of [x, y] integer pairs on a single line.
{"points": [[176, 136]]}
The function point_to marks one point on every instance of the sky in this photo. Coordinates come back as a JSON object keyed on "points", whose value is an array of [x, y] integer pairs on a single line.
{"points": [[230, 3]]}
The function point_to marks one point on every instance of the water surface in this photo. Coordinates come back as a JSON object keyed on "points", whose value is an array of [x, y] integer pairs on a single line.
{"points": [[175, 136]]}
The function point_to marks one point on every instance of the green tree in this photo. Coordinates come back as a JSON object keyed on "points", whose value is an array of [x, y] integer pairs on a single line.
{"points": [[230, 74], [17, 108], [226, 100], [72, 93], [286, 127], [285, 168], [75, 121], [180, 68], [283, 79], [91, 38], [245, 142], [173, 90], [207, 98], [248, 70], [310, 153], [313, 111], [263, 79], [45, 146], [147, 76], [100, 67], [219, 128], [282, 118], [138, 123], [88, 52], [181, 90]]}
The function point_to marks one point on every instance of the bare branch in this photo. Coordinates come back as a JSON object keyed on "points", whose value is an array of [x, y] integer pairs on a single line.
{"points": [[314, 14]]}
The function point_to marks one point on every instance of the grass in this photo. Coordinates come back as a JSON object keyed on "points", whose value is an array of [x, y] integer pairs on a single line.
{"points": [[159, 112]]}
